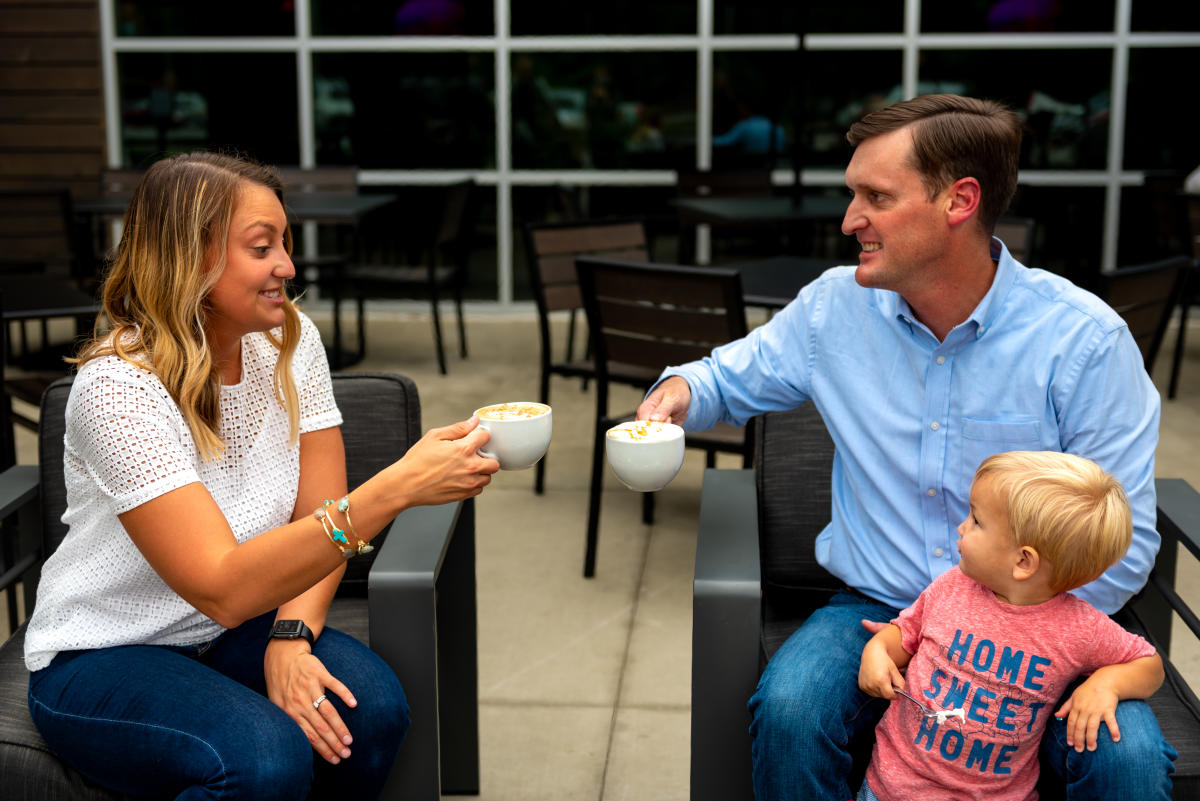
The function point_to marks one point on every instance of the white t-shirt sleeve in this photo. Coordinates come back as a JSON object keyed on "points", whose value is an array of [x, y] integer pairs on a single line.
{"points": [[123, 425]]}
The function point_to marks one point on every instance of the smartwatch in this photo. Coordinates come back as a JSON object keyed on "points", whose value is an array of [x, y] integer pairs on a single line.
{"points": [[292, 630]]}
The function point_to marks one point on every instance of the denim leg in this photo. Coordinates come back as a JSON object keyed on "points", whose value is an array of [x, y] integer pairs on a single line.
{"points": [[1139, 766], [378, 724], [151, 721], [808, 707]]}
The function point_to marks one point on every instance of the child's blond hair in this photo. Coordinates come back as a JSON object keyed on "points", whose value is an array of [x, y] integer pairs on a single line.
{"points": [[1074, 514]]}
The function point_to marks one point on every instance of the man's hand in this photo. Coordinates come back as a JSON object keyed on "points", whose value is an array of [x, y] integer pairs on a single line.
{"points": [[668, 403]]}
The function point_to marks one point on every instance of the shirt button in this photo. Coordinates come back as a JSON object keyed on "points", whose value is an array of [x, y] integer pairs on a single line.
{"points": [[941, 359], [938, 552], [931, 492], [934, 425]]}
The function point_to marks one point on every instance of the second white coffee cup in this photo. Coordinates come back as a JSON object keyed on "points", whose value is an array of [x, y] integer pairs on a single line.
{"points": [[520, 433], [645, 455]]}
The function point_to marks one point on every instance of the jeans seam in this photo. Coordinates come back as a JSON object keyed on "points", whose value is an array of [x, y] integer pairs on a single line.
{"points": [[137, 724]]}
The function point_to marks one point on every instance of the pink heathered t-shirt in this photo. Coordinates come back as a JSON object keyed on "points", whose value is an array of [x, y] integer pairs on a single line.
{"points": [[1006, 666]]}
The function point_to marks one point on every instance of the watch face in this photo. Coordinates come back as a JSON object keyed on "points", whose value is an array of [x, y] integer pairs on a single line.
{"points": [[287, 628]]}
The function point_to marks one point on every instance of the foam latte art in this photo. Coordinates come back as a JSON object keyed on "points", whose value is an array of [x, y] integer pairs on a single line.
{"points": [[643, 431]]}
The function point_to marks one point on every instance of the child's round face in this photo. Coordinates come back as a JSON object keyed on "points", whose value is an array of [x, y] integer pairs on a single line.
{"points": [[985, 541]]}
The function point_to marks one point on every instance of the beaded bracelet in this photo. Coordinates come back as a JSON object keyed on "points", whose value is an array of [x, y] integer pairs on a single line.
{"points": [[343, 506], [336, 535]]}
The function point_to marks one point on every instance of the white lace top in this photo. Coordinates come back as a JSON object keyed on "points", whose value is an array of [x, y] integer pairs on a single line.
{"points": [[127, 443]]}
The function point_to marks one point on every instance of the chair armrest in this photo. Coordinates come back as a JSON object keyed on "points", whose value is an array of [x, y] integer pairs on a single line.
{"points": [[726, 624], [18, 487], [415, 547], [1178, 520], [422, 620], [1179, 512], [19, 490]]}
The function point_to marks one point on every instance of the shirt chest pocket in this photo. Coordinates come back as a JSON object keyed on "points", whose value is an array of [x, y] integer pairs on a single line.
{"points": [[982, 438]]}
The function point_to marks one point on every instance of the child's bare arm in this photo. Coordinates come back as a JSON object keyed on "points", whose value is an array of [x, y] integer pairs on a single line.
{"points": [[1096, 699], [882, 658]]}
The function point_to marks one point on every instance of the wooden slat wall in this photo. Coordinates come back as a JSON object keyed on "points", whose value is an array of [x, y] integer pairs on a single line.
{"points": [[51, 95]]}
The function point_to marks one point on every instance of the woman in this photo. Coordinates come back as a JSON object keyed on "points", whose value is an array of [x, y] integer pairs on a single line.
{"points": [[178, 645]]}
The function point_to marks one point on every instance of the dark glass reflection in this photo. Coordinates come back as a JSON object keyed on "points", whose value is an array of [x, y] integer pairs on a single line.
{"points": [[1063, 95], [1068, 238], [403, 18], [773, 16], [172, 102], [209, 18], [839, 87], [603, 110], [610, 18], [404, 110], [1165, 15], [1157, 135], [1016, 16]]}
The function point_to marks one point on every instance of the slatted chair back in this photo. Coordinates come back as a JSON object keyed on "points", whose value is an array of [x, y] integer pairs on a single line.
{"points": [[37, 233], [1017, 235], [343, 180], [648, 316], [1146, 296]]}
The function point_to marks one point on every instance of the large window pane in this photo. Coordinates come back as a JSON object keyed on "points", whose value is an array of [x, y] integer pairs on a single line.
{"points": [[1016, 16], [864, 82], [183, 101], [603, 110], [208, 18], [611, 17], [405, 110], [1063, 96], [1157, 134], [1165, 15], [403, 18], [773, 16], [753, 91]]}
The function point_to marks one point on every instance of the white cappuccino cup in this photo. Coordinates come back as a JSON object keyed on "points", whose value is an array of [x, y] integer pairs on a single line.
{"points": [[519, 433], [645, 454]]}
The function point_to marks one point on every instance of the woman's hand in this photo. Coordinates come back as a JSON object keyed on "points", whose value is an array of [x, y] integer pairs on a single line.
{"points": [[445, 465], [295, 679]]}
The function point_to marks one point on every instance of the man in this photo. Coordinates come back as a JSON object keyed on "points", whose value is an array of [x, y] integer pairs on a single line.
{"points": [[937, 351]]}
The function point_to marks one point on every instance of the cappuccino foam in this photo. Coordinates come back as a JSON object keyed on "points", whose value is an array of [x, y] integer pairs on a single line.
{"points": [[512, 411], [643, 431]]}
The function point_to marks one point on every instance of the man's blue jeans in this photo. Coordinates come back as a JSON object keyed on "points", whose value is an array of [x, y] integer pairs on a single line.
{"points": [[808, 708], [195, 723]]}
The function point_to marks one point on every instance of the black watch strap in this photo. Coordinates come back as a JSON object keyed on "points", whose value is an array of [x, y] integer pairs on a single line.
{"points": [[292, 630]]}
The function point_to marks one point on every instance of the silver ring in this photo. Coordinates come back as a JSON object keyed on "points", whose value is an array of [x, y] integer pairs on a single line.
{"points": [[317, 703]]}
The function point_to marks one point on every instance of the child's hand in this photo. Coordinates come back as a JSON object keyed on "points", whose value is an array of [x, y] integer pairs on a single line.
{"points": [[1092, 702], [877, 673]]}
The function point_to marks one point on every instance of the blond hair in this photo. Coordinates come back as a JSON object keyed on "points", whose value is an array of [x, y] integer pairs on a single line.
{"points": [[955, 137], [156, 290], [1074, 514]]}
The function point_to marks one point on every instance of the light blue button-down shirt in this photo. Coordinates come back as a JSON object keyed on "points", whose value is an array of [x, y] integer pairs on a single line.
{"points": [[1039, 365]]}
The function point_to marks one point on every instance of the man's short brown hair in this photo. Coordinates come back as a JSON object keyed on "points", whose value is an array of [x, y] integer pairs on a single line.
{"points": [[955, 137]]}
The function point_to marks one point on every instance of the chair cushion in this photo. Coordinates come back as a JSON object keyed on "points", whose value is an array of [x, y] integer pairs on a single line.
{"points": [[30, 769]]}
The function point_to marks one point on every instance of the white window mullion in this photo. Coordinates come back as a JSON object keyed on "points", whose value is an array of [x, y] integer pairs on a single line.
{"points": [[912, 29], [304, 86], [1116, 137], [504, 217]]}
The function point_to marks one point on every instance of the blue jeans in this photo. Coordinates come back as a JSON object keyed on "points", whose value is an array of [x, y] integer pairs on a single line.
{"points": [[808, 708], [195, 722]]}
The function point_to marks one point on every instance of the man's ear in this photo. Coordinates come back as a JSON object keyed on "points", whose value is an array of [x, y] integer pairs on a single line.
{"points": [[1027, 563], [962, 200]]}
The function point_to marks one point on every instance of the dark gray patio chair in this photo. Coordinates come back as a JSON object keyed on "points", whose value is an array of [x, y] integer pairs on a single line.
{"points": [[412, 600], [757, 580]]}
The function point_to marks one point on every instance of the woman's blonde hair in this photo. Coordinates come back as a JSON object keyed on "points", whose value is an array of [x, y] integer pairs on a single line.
{"points": [[1074, 514], [156, 291]]}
